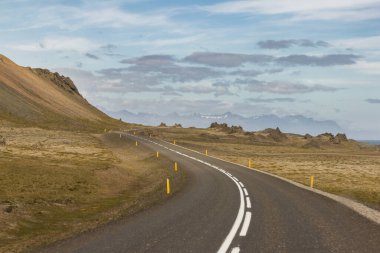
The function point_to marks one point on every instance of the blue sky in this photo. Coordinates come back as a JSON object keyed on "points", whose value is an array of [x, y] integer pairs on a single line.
{"points": [[319, 59]]}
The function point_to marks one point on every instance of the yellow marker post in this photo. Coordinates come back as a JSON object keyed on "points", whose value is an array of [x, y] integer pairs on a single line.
{"points": [[249, 163], [157, 154], [174, 142], [175, 166], [167, 186], [312, 182], [134, 133], [120, 136], [136, 144], [206, 152]]}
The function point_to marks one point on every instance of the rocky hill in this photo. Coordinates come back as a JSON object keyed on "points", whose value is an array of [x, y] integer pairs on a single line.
{"points": [[38, 97]]}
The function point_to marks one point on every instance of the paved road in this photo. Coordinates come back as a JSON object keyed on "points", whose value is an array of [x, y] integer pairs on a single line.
{"points": [[229, 208]]}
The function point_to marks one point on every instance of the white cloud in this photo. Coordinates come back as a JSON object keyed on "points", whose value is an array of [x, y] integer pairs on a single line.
{"points": [[59, 43], [73, 18], [167, 42], [118, 18], [372, 42], [366, 67], [318, 9]]}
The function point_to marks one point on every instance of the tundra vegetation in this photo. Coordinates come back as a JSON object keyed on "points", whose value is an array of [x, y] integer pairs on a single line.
{"points": [[54, 184]]}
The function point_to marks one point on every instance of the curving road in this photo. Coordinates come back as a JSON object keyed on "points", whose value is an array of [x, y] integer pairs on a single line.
{"points": [[229, 208]]}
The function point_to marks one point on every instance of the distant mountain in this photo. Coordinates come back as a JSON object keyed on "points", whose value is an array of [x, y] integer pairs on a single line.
{"points": [[38, 97], [291, 124]]}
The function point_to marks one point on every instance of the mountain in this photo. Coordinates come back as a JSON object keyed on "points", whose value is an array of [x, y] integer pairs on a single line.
{"points": [[291, 124], [38, 97]]}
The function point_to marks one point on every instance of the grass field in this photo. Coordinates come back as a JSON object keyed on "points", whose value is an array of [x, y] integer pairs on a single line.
{"points": [[348, 169], [54, 184]]}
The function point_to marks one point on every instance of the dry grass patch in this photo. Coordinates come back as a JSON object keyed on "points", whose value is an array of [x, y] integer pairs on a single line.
{"points": [[55, 183]]}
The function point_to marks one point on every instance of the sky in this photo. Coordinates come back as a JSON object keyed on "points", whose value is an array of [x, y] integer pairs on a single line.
{"points": [[319, 59]]}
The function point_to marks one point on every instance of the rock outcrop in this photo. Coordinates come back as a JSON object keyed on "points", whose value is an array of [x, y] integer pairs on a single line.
{"points": [[225, 128], [275, 134], [61, 81]]}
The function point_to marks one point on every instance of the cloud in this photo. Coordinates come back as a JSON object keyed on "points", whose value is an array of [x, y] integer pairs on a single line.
{"points": [[113, 83], [367, 67], [279, 87], [167, 41], [278, 44], [59, 44], [218, 89], [166, 68], [321, 61], [372, 42], [94, 15], [271, 100], [152, 60], [302, 10], [247, 73], [163, 83], [373, 100], [109, 47], [116, 17], [253, 72], [227, 60], [133, 81], [92, 56], [164, 106], [230, 60]]}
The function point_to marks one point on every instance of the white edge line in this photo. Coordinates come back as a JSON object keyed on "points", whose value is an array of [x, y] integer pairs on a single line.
{"points": [[247, 221]]}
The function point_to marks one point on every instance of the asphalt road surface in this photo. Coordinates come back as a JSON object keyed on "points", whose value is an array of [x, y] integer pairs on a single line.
{"points": [[229, 208]]}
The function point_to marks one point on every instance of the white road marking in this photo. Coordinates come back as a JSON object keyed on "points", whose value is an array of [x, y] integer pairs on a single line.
{"points": [[247, 221], [248, 201], [239, 218], [241, 184], [235, 250]]}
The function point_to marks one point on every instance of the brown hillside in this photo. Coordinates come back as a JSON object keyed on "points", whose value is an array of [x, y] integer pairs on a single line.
{"points": [[39, 97]]}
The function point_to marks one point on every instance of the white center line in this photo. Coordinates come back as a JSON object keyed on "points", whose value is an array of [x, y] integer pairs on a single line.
{"points": [[245, 192], [248, 201], [247, 221], [241, 184], [239, 218], [235, 250]]}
